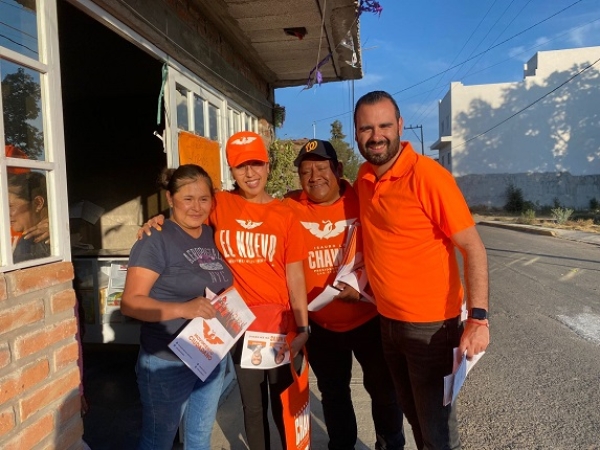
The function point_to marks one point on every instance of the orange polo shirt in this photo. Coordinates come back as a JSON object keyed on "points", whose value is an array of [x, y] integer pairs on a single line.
{"points": [[408, 217], [257, 241], [325, 234]]}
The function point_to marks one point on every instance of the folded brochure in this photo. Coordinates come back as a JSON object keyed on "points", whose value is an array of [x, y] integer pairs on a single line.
{"points": [[203, 343], [351, 271]]}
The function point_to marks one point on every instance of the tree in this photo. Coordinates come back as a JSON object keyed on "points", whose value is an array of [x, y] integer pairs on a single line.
{"points": [[283, 176], [21, 103], [346, 155]]}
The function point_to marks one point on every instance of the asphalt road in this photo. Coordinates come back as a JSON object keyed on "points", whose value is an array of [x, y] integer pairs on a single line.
{"points": [[538, 385]]}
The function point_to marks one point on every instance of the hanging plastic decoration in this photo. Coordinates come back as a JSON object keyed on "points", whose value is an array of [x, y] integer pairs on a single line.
{"points": [[348, 42], [318, 76], [371, 6]]}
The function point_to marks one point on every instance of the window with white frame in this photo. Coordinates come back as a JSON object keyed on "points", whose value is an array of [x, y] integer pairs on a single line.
{"points": [[32, 171], [199, 109]]}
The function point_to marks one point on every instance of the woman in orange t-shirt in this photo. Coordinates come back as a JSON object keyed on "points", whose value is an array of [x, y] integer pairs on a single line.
{"points": [[261, 240]]}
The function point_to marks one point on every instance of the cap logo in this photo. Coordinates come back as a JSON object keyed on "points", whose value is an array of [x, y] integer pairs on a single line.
{"points": [[311, 146], [244, 140]]}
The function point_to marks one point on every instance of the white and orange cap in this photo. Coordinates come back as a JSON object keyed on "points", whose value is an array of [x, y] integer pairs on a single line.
{"points": [[245, 146]]}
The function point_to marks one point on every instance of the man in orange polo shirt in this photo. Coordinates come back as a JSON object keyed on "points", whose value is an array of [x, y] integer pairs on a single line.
{"points": [[413, 217], [328, 209]]}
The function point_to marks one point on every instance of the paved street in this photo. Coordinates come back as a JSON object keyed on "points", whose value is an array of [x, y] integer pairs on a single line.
{"points": [[536, 387]]}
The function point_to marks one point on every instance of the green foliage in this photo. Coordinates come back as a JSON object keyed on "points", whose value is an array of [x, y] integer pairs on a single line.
{"points": [[561, 215], [594, 204], [514, 199], [21, 98], [283, 176], [346, 155], [527, 217]]}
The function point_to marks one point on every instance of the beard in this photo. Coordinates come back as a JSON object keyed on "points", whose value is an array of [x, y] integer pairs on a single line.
{"points": [[379, 159]]}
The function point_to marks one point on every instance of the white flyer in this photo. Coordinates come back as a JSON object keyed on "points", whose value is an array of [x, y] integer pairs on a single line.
{"points": [[203, 343], [264, 350], [454, 381]]}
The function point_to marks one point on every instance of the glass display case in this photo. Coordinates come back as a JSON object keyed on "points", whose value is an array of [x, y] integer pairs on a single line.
{"points": [[99, 282]]}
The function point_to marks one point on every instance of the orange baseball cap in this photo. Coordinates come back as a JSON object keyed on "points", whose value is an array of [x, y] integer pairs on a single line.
{"points": [[15, 152], [245, 146]]}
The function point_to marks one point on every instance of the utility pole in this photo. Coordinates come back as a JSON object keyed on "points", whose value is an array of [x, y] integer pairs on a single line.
{"points": [[314, 130], [414, 128]]}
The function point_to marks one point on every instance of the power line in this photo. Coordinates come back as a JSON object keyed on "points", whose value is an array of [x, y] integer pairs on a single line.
{"points": [[530, 105], [469, 59]]}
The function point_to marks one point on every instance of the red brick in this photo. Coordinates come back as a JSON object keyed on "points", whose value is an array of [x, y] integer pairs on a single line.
{"points": [[66, 355], [20, 282], [21, 315], [50, 393], [2, 287], [44, 337], [31, 435], [62, 301], [7, 421], [20, 381], [4, 355]]}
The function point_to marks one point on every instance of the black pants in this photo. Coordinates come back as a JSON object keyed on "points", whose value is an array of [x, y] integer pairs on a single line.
{"points": [[256, 386], [330, 356], [419, 355]]}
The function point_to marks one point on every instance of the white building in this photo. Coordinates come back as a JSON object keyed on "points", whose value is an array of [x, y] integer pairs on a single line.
{"points": [[541, 134]]}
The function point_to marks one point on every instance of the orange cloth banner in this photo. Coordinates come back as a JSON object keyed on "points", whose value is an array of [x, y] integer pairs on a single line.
{"points": [[195, 149]]}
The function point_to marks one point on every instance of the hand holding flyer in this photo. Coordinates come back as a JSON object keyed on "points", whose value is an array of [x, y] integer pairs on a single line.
{"points": [[351, 272], [203, 343]]}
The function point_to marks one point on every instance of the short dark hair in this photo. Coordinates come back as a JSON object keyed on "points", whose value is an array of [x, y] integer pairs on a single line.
{"points": [[370, 98], [173, 179]]}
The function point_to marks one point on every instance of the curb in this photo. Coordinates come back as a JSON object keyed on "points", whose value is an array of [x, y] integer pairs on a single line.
{"points": [[524, 228]]}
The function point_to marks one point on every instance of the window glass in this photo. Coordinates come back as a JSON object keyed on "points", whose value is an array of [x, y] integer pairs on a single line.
{"points": [[249, 123], [28, 212], [22, 111], [235, 125], [199, 115], [213, 122], [182, 107], [18, 27]]}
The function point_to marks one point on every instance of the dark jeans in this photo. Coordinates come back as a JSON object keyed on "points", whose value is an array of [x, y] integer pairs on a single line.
{"points": [[419, 355], [256, 386], [330, 356]]}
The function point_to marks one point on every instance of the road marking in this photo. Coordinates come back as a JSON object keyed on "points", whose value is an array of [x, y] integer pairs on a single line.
{"points": [[585, 325]]}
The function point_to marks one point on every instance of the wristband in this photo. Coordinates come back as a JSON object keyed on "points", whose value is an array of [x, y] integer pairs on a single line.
{"points": [[486, 324]]}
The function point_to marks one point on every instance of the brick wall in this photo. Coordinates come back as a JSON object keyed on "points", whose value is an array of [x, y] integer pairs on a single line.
{"points": [[39, 375]]}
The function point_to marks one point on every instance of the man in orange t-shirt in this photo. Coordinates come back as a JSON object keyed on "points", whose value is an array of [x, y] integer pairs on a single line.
{"points": [[327, 208], [413, 218]]}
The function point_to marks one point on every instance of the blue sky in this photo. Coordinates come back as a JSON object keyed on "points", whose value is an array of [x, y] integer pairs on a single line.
{"points": [[411, 48]]}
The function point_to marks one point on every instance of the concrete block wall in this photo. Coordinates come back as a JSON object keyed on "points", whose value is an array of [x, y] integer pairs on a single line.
{"points": [[540, 188], [39, 374]]}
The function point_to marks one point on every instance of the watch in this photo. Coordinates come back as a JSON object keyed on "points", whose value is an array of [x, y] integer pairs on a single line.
{"points": [[305, 329], [478, 314]]}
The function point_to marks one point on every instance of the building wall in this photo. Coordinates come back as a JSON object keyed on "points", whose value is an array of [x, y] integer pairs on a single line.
{"points": [[39, 375], [495, 132]]}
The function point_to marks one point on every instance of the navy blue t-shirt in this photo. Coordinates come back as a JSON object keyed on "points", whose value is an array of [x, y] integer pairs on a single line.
{"points": [[186, 267]]}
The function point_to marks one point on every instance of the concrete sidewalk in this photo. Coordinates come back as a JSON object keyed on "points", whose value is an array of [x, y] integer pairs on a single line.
{"points": [[228, 433], [113, 421], [571, 235]]}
